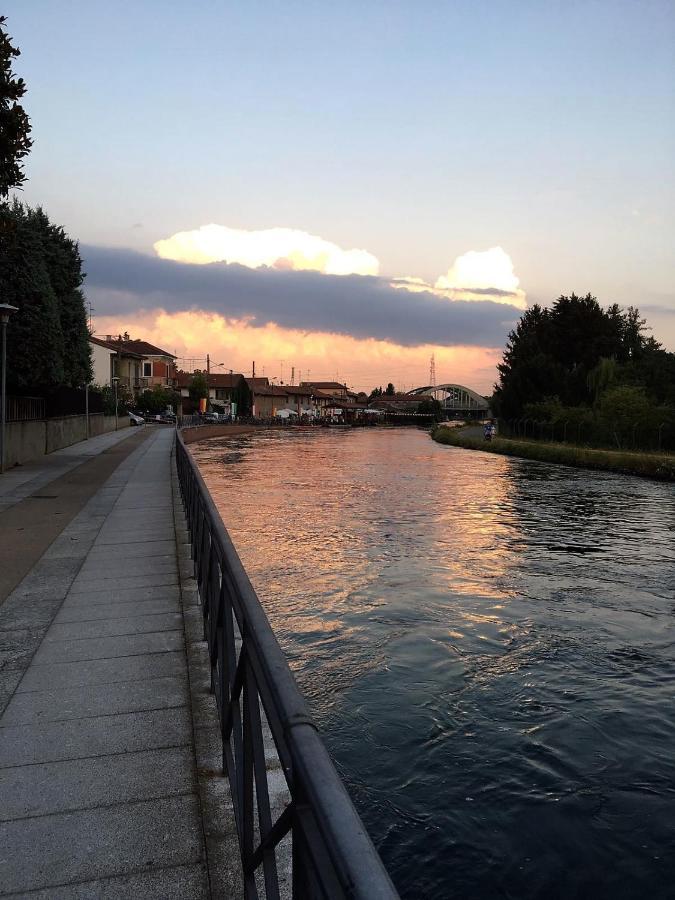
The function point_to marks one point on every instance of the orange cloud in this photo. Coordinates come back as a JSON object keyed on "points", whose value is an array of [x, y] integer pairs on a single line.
{"points": [[361, 363]]}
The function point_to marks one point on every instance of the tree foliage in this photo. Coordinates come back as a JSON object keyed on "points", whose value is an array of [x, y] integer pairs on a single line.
{"points": [[431, 406], [576, 350], [198, 388], [157, 400], [15, 141], [41, 274], [591, 368]]}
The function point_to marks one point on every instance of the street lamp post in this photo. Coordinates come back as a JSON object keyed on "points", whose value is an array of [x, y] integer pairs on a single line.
{"points": [[6, 310], [114, 381]]}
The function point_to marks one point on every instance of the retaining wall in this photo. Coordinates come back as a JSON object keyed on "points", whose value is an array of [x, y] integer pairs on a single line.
{"points": [[27, 441], [201, 432]]}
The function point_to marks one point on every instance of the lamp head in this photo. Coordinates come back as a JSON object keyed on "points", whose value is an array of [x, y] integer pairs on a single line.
{"points": [[6, 310]]}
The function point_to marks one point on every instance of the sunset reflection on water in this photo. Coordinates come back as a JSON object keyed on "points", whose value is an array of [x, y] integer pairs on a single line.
{"points": [[485, 643]]}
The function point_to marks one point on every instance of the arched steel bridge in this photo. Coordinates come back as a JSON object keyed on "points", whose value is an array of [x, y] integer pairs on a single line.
{"points": [[455, 397]]}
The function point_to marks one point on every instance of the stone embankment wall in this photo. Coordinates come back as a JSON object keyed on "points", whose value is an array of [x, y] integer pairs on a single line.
{"points": [[202, 432], [27, 441]]}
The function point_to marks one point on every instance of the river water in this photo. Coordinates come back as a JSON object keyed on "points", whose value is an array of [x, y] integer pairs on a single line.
{"points": [[488, 646]]}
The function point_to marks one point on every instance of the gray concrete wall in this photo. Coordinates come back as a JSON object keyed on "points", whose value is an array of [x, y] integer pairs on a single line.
{"points": [[24, 441], [28, 441]]}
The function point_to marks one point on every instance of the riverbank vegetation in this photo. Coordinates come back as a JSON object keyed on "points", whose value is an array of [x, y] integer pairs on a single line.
{"points": [[649, 465], [594, 375]]}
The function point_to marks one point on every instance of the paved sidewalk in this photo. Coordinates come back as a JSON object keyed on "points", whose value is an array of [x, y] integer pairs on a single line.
{"points": [[19, 482], [99, 791]]}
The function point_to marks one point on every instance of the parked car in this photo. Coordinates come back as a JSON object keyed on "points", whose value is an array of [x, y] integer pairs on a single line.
{"points": [[211, 417], [135, 419]]}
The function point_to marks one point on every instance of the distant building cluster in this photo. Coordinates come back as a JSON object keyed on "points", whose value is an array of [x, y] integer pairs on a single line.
{"points": [[139, 366]]}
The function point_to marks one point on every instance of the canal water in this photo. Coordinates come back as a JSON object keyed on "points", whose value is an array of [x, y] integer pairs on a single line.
{"points": [[488, 646]]}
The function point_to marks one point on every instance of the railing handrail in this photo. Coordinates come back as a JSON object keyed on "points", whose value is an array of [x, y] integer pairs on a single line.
{"points": [[319, 800]]}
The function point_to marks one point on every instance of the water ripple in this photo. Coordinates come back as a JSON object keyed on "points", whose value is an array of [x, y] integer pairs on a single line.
{"points": [[488, 645]]}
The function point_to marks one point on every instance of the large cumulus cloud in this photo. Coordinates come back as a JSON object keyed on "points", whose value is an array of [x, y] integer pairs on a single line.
{"points": [[122, 281]]}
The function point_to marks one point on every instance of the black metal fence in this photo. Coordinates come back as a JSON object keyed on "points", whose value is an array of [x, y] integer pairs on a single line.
{"points": [[332, 855], [656, 437], [57, 403], [25, 409]]}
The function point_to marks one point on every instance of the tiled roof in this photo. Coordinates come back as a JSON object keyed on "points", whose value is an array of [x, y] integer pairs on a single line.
{"points": [[271, 391], [133, 348], [216, 379]]}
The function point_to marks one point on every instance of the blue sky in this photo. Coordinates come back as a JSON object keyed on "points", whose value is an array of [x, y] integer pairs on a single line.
{"points": [[417, 131]]}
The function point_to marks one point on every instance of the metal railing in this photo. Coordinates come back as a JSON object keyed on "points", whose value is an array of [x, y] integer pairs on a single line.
{"points": [[332, 854], [25, 409]]}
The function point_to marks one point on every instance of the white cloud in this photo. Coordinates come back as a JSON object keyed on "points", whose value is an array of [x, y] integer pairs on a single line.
{"points": [[476, 275], [482, 275], [281, 248]]}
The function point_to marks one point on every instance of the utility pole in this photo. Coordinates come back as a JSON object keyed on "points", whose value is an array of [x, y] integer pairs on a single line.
{"points": [[208, 375], [293, 375], [253, 376]]}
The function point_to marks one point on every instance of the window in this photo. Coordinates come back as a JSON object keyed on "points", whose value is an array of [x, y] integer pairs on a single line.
{"points": [[147, 370]]}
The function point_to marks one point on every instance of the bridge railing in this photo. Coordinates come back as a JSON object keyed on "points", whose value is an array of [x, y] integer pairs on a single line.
{"points": [[332, 854]]}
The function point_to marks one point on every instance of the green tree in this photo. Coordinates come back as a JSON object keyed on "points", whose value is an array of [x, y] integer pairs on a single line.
{"points": [[623, 410], [64, 265], [559, 352], [390, 390], [602, 376], [198, 388], [35, 353], [157, 400], [41, 274], [431, 406], [15, 141]]}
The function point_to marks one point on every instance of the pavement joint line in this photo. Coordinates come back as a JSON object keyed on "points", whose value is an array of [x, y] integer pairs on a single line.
{"points": [[72, 593], [105, 637], [100, 683], [92, 684], [58, 762], [88, 659], [80, 809], [128, 873], [127, 712], [77, 759], [139, 615]]}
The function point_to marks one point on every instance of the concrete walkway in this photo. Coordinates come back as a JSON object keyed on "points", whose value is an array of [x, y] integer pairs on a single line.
{"points": [[19, 482], [108, 786]]}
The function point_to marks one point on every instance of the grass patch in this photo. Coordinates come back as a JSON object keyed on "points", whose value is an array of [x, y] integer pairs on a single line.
{"points": [[647, 465]]}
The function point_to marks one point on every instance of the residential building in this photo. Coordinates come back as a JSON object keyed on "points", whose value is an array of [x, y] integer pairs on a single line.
{"points": [[101, 361], [137, 364], [224, 390], [334, 388]]}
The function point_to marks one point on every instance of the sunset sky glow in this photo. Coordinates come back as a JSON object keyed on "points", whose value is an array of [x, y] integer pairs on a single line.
{"points": [[349, 188]]}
